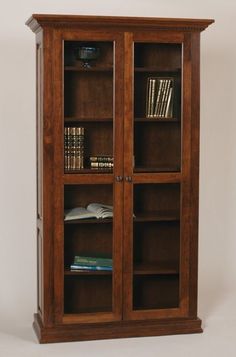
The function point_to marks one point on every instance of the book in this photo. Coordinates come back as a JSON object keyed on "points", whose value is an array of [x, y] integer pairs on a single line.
{"points": [[169, 106], [101, 165], [101, 158], [93, 210], [165, 98], [82, 263], [159, 97], [148, 101], [92, 261], [66, 152], [89, 267]]}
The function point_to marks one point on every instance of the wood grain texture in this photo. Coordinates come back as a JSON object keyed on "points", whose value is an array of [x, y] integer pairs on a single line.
{"points": [[38, 20], [123, 329], [195, 133], [47, 178]]}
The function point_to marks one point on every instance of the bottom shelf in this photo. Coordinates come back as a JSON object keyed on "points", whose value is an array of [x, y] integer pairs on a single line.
{"points": [[87, 293], [92, 310], [155, 292]]}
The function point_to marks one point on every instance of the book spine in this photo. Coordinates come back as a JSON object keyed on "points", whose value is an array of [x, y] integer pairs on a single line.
{"points": [[80, 260], [158, 97], [169, 106], [161, 97], [66, 153], [79, 155], [90, 267], [165, 98], [152, 98], [69, 149], [73, 148], [148, 98], [102, 158], [99, 165]]}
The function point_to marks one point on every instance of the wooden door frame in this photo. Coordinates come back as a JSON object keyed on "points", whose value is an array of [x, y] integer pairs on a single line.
{"points": [[189, 117], [60, 179]]}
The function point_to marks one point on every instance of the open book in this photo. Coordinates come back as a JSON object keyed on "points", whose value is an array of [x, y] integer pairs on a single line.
{"points": [[93, 210]]}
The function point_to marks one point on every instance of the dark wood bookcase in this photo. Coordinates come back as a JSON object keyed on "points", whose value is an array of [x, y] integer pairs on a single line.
{"points": [[152, 186]]}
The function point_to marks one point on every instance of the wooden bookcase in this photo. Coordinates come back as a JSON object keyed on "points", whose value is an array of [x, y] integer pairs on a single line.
{"points": [[152, 186]]}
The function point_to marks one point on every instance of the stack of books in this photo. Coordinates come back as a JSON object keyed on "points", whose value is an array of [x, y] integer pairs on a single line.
{"points": [[74, 148], [159, 103], [101, 162], [91, 263]]}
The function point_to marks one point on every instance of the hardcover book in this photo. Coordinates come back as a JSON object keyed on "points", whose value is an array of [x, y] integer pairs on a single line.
{"points": [[91, 263], [93, 210]]}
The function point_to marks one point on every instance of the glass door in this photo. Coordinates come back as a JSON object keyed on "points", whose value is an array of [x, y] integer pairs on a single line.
{"points": [[91, 127], [88, 106], [155, 256]]}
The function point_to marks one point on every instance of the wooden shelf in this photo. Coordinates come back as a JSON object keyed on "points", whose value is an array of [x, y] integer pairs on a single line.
{"points": [[156, 269], [159, 70], [164, 216], [92, 69], [87, 120], [89, 171], [156, 169], [94, 310], [89, 221], [157, 120], [87, 272]]}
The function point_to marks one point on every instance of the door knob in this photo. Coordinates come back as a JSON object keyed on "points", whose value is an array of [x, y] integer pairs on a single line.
{"points": [[119, 178], [128, 179]]}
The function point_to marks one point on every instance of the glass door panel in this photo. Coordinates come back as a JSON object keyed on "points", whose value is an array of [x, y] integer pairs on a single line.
{"points": [[157, 107], [88, 106], [91, 136], [156, 246], [88, 250], [154, 261]]}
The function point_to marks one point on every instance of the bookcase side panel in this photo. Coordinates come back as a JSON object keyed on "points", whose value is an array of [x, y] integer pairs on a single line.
{"points": [[39, 174], [45, 178], [195, 131]]}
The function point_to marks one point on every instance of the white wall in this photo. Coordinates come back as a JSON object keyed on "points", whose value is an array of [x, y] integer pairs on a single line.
{"points": [[17, 146]]}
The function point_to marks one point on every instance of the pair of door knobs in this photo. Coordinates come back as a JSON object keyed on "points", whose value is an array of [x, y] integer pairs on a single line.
{"points": [[127, 178]]}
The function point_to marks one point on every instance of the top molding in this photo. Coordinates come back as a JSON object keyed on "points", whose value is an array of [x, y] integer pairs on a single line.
{"points": [[38, 21]]}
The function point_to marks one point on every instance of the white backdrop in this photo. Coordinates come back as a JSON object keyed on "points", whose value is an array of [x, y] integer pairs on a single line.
{"points": [[217, 267]]}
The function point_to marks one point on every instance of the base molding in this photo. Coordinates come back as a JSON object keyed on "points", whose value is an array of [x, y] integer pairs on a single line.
{"points": [[121, 329]]}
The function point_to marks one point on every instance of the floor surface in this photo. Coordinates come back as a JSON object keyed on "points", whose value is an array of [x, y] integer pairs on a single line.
{"points": [[218, 339]]}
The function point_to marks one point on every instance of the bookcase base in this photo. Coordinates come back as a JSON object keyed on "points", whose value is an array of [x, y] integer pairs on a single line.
{"points": [[122, 329]]}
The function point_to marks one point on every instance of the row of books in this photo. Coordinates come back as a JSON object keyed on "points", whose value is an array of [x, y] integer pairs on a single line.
{"points": [[101, 162], [73, 148], [83, 264], [74, 158], [159, 103]]}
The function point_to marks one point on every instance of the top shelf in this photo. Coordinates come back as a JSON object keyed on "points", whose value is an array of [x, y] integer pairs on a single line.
{"points": [[91, 69], [162, 69]]}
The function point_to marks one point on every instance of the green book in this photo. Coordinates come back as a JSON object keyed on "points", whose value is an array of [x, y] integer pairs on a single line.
{"points": [[92, 261]]}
